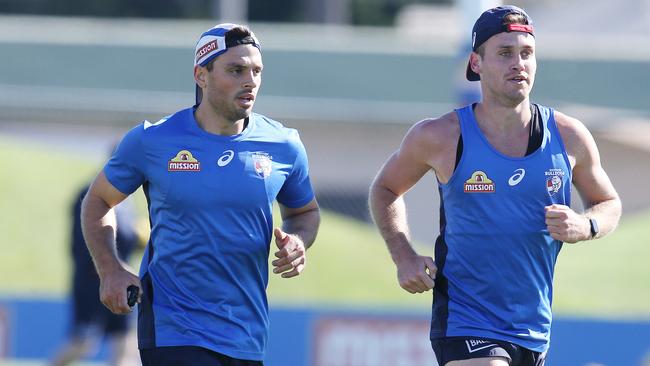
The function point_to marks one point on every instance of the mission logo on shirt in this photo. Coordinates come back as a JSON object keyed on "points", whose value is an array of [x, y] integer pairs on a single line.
{"points": [[479, 183], [184, 162]]}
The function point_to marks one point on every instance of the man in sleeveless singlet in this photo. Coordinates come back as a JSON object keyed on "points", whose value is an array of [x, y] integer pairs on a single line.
{"points": [[504, 168], [210, 174]]}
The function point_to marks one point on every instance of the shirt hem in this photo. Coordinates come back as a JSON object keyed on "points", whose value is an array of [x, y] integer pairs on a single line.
{"points": [[242, 355]]}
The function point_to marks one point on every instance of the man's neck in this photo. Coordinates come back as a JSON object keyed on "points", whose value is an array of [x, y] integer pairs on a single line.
{"points": [[213, 122], [500, 117]]}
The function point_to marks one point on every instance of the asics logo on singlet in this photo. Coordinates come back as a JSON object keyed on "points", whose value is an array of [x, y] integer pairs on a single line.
{"points": [[517, 177], [226, 158]]}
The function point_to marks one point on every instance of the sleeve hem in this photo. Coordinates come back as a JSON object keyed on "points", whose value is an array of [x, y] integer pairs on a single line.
{"points": [[298, 203]]}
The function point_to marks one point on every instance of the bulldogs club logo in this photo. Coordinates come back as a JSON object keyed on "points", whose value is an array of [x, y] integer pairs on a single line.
{"points": [[263, 164], [554, 180]]}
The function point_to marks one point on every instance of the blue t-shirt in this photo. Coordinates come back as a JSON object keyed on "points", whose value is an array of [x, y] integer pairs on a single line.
{"points": [[210, 205], [495, 256]]}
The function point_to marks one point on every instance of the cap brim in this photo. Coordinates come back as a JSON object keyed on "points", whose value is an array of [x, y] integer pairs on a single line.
{"points": [[198, 95], [471, 75]]}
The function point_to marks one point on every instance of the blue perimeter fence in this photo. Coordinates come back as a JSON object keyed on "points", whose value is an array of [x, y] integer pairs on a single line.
{"points": [[35, 328]]}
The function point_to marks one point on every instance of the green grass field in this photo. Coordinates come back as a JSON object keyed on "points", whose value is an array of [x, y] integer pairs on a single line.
{"points": [[347, 267]]}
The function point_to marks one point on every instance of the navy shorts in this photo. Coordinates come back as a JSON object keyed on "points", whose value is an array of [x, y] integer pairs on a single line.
{"points": [[189, 356], [466, 348]]}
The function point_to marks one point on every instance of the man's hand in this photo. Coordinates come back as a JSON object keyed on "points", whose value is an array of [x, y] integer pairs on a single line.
{"points": [[112, 290], [291, 254], [566, 225], [416, 274]]}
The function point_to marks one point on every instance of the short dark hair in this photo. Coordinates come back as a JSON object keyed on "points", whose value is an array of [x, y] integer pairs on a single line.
{"points": [[237, 35]]}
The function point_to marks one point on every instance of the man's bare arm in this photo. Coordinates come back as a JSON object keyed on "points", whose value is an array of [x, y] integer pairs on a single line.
{"points": [[299, 229], [598, 194], [399, 174], [99, 228]]}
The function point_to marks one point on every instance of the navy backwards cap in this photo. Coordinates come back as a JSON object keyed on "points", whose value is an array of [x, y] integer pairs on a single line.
{"points": [[214, 42], [491, 23]]}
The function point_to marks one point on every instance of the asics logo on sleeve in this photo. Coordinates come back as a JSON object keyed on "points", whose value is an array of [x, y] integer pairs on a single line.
{"points": [[226, 158], [517, 177]]}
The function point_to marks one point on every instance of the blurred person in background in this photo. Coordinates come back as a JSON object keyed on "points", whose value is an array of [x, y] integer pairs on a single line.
{"points": [[91, 321], [210, 174], [504, 168]]}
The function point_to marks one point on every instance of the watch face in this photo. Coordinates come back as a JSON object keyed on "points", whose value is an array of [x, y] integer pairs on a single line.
{"points": [[594, 227]]}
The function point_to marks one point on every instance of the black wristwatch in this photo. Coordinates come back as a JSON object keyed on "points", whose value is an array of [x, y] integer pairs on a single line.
{"points": [[594, 227]]}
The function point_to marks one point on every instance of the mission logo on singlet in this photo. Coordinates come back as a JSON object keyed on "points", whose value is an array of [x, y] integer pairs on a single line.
{"points": [[184, 162], [479, 183]]}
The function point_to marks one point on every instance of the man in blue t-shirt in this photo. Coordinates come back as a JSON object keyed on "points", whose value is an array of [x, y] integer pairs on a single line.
{"points": [[210, 174], [504, 168]]}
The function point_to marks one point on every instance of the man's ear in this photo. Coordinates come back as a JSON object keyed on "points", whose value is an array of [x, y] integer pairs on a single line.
{"points": [[200, 76], [475, 62]]}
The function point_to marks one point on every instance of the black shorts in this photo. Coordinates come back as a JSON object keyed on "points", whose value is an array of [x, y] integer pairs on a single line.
{"points": [[466, 348], [189, 356]]}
